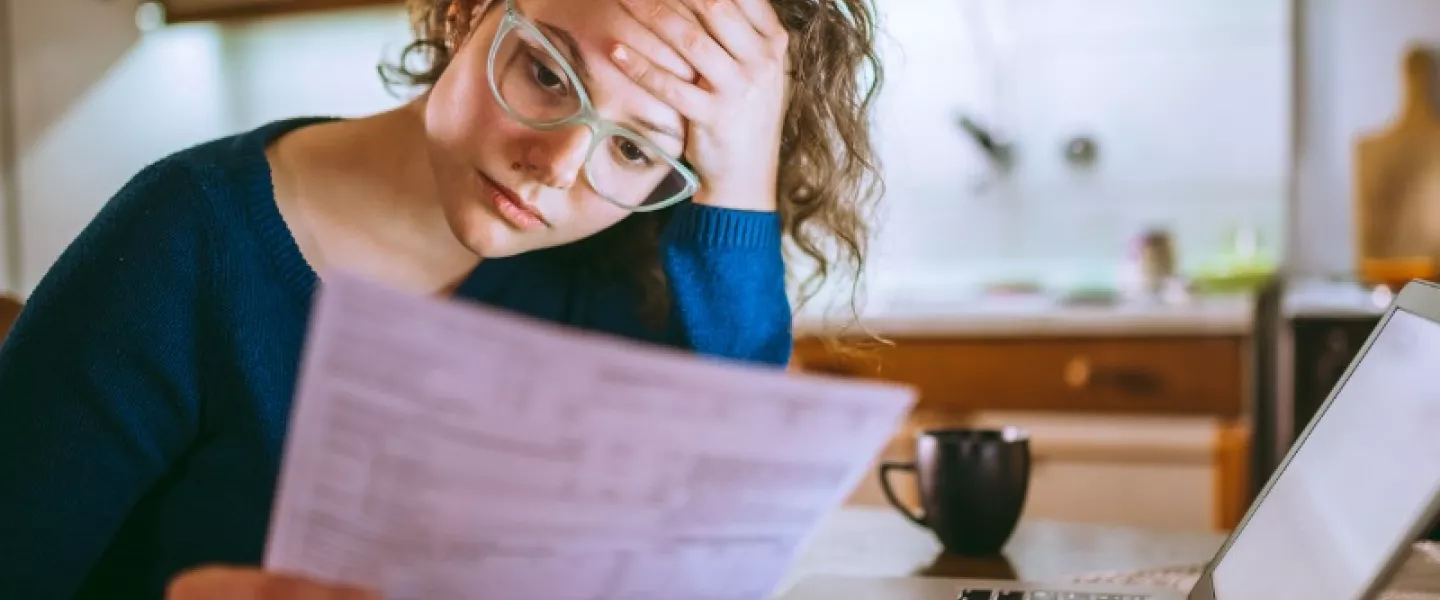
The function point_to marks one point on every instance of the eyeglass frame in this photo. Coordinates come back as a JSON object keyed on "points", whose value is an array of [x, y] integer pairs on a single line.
{"points": [[601, 129]]}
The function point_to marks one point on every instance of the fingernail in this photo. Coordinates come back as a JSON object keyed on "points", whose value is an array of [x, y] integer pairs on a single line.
{"points": [[620, 54]]}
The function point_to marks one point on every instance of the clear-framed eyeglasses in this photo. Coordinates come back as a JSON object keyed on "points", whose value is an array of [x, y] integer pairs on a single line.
{"points": [[536, 86]]}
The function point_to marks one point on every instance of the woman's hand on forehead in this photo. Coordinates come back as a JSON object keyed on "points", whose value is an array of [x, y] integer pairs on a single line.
{"points": [[647, 42], [735, 110]]}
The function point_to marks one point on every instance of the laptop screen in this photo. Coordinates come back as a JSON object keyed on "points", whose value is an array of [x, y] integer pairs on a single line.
{"points": [[1359, 481]]}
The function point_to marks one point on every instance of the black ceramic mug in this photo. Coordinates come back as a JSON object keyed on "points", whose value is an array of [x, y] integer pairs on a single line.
{"points": [[972, 483]]}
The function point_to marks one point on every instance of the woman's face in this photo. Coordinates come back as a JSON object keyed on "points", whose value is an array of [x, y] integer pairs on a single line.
{"points": [[508, 188]]}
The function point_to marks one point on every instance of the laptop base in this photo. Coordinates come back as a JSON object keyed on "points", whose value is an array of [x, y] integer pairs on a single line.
{"points": [[836, 587]]}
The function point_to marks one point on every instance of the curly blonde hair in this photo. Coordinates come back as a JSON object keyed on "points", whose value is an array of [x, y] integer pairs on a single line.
{"points": [[830, 178]]}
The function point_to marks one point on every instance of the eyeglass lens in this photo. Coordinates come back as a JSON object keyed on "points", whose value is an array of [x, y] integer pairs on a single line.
{"points": [[625, 167]]}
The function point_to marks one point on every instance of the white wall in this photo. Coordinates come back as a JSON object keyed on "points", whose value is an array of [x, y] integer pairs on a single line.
{"points": [[321, 64], [8, 236], [95, 101], [1350, 86], [1188, 98], [93, 104]]}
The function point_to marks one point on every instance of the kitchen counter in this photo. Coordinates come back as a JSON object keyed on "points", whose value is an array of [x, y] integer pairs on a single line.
{"points": [[1318, 298], [1045, 316]]}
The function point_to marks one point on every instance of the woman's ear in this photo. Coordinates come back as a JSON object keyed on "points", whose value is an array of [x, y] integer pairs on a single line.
{"points": [[462, 18], [454, 34], [453, 12]]}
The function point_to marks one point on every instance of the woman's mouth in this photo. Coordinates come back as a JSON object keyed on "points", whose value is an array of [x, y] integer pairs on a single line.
{"points": [[510, 207]]}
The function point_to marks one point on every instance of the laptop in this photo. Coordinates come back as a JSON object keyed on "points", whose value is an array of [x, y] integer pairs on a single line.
{"points": [[1334, 521]]}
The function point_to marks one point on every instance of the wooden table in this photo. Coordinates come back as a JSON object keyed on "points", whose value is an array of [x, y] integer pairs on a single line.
{"points": [[878, 541], [868, 541]]}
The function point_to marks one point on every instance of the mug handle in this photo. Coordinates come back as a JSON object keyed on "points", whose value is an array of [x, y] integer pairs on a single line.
{"points": [[885, 469]]}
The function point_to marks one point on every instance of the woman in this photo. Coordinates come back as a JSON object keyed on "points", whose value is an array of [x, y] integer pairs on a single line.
{"points": [[625, 166]]}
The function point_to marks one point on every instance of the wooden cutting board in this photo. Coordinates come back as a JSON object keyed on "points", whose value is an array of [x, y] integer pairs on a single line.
{"points": [[1397, 178]]}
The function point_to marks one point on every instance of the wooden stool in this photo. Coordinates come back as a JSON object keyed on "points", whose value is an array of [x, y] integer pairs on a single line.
{"points": [[10, 307]]}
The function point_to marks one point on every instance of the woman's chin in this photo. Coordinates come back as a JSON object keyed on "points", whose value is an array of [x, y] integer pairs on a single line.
{"points": [[490, 237]]}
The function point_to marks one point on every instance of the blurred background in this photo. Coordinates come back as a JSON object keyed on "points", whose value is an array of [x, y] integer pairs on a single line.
{"points": [[1135, 227]]}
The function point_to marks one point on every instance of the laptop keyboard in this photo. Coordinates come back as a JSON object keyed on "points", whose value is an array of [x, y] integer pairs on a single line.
{"points": [[1042, 595]]}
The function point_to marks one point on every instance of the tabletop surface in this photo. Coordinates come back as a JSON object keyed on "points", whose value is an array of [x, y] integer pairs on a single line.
{"points": [[879, 541], [865, 541]]}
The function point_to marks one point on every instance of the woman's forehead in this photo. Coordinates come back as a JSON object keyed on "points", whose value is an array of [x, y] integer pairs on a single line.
{"points": [[596, 25]]}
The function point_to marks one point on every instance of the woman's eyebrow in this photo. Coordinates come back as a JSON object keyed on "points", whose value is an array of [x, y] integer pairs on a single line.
{"points": [[665, 130], [571, 48]]}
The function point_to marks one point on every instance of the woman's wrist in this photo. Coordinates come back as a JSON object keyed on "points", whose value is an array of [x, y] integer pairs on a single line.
{"points": [[752, 198], [724, 226]]}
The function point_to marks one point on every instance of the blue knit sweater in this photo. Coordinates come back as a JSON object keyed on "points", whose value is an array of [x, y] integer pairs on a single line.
{"points": [[145, 390]]}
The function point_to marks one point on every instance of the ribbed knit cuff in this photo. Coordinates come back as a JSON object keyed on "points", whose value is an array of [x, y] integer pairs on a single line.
{"points": [[711, 226]]}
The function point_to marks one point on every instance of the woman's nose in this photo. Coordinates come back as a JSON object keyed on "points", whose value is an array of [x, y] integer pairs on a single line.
{"points": [[556, 157]]}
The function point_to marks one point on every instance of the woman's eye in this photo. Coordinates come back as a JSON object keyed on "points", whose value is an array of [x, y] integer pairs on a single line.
{"points": [[545, 76], [632, 152]]}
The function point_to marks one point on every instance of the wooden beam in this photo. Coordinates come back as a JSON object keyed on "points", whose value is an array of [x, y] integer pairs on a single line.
{"points": [[251, 11]]}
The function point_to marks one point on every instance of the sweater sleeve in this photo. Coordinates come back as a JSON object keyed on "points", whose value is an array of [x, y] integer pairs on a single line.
{"points": [[726, 278], [98, 383], [727, 283]]}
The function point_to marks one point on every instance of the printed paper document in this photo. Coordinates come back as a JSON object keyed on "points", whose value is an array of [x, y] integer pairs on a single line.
{"points": [[439, 449]]}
